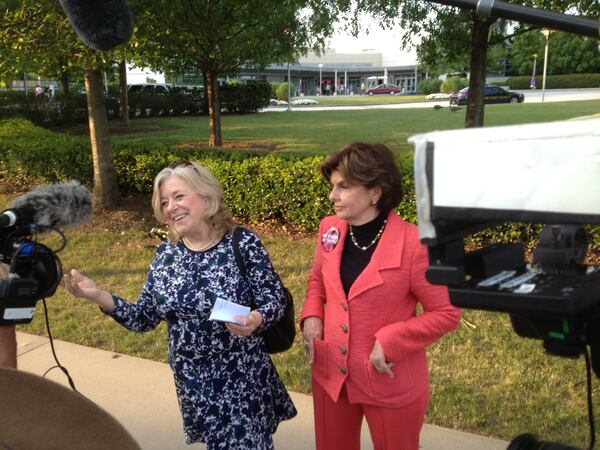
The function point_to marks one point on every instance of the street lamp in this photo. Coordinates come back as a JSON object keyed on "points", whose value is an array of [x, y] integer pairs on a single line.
{"points": [[289, 89], [532, 83], [320, 78], [546, 32]]}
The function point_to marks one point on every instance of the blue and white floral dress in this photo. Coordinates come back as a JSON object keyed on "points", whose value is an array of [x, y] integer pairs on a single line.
{"points": [[228, 389]]}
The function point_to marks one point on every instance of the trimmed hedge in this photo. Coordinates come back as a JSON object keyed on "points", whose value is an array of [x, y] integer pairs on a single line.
{"points": [[256, 188], [235, 98], [580, 80], [50, 111]]}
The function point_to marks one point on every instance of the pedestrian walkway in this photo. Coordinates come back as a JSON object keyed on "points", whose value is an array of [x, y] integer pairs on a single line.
{"points": [[140, 394]]}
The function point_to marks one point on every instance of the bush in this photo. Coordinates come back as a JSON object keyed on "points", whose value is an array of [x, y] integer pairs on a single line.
{"points": [[274, 87], [235, 98], [282, 91], [580, 80], [256, 188], [454, 84], [429, 86], [245, 98]]}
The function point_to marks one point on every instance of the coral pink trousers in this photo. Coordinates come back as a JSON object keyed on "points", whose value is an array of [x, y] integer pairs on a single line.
{"points": [[338, 424]]}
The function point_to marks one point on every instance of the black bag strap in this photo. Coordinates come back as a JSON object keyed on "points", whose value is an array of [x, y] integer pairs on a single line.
{"points": [[235, 242]]}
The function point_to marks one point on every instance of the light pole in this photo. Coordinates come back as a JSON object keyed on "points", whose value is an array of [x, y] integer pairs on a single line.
{"points": [[289, 89], [532, 83], [320, 78], [546, 32]]}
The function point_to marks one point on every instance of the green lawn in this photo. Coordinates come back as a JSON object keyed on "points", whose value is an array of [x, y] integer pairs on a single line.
{"points": [[321, 132], [334, 100], [484, 378]]}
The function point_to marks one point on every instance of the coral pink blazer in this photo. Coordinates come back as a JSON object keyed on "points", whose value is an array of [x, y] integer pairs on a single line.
{"points": [[381, 304]]}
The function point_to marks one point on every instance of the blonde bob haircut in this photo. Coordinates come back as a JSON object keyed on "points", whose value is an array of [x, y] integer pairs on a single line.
{"points": [[204, 183]]}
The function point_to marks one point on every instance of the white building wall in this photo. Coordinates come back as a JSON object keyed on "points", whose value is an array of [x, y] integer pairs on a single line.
{"points": [[142, 75]]}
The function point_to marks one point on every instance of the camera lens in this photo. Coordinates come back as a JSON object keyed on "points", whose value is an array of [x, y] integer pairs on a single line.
{"points": [[530, 442]]}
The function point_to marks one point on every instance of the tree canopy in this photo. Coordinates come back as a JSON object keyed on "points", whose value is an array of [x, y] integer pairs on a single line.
{"points": [[217, 38]]}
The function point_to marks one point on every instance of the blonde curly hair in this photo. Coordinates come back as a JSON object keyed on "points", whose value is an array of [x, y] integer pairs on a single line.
{"points": [[203, 183]]}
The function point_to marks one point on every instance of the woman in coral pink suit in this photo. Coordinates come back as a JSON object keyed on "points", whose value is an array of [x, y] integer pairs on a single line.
{"points": [[360, 324]]}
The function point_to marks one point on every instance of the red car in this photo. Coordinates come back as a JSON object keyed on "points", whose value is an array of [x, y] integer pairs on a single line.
{"points": [[384, 89]]}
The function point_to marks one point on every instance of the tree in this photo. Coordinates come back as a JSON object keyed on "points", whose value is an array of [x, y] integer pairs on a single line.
{"points": [[436, 26], [216, 38], [568, 53], [41, 37]]}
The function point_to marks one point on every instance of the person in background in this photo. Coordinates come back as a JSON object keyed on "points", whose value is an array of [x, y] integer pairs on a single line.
{"points": [[365, 339], [229, 392]]}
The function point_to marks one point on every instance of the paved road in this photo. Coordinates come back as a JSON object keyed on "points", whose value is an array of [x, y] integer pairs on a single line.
{"points": [[553, 95]]}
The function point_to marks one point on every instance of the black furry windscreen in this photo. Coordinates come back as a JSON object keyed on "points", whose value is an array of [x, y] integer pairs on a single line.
{"points": [[102, 25]]}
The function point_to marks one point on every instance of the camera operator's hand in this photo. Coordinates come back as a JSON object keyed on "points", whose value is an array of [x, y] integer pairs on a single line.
{"points": [[8, 338], [377, 358], [81, 286], [4, 269]]}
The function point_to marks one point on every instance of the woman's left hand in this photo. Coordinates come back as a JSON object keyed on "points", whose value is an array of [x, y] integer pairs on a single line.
{"points": [[247, 325], [377, 358]]}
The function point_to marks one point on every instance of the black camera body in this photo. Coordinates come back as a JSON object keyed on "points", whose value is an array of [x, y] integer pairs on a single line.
{"points": [[35, 273]]}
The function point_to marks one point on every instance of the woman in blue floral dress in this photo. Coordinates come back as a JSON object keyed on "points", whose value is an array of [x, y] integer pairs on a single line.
{"points": [[229, 392]]}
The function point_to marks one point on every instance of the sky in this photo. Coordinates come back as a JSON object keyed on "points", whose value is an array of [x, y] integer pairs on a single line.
{"points": [[374, 37]]}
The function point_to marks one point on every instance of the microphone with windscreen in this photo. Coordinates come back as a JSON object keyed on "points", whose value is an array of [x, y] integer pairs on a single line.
{"points": [[35, 269], [102, 25]]}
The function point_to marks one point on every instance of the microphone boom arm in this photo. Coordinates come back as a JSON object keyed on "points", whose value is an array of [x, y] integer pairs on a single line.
{"points": [[534, 16]]}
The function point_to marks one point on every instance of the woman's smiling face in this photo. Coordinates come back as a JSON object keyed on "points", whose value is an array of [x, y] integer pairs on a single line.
{"points": [[184, 209]]}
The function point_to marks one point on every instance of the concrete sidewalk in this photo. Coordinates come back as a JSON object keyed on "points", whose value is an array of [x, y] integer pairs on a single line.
{"points": [[140, 394]]}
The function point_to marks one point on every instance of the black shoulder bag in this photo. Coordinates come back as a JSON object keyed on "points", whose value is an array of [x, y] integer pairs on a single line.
{"points": [[280, 336]]}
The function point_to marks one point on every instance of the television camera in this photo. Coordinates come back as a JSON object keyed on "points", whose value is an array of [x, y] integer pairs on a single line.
{"points": [[35, 269], [540, 173]]}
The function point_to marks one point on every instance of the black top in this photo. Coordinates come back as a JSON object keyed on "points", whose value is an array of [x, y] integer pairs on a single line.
{"points": [[354, 260]]}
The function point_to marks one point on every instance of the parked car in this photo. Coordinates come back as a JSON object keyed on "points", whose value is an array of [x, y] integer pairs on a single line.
{"points": [[149, 88], [384, 89], [492, 94]]}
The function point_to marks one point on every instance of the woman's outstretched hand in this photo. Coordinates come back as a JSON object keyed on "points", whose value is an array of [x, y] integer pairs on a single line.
{"points": [[81, 286]]}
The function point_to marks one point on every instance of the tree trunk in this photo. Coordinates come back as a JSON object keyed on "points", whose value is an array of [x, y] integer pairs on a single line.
{"points": [[64, 81], [214, 109], [106, 190], [204, 93], [123, 100], [479, 45]]}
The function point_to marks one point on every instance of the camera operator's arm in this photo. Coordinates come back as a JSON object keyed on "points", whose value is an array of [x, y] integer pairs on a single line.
{"points": [[8, 338], [81, 286]]}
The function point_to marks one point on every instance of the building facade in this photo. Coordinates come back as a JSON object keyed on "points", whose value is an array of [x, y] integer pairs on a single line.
{"points": [[339, 73]]}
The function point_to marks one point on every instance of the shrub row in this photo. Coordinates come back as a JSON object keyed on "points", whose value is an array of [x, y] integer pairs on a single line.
{"points": [[581, 80], [49, 111], [256, 188], [61, 109]]}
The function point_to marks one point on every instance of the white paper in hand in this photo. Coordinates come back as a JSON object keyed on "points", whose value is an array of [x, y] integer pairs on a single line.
{"points": [[225, 311]]}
